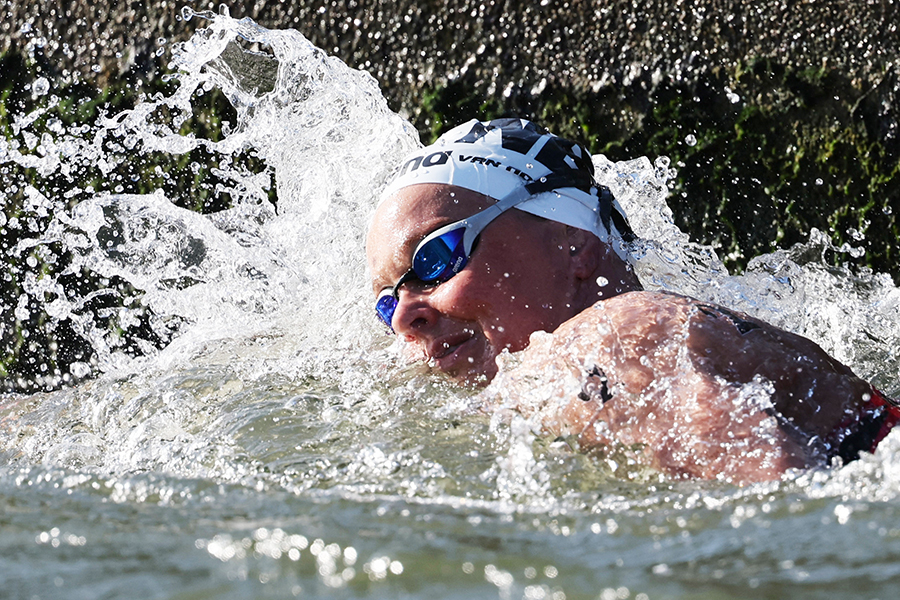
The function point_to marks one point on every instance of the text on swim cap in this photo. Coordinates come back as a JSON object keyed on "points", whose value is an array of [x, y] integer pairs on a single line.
{"points": [[431, 160], [441, 158]]}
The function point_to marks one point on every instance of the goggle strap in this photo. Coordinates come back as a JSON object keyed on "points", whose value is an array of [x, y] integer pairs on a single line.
{"points": [[476, 224]]}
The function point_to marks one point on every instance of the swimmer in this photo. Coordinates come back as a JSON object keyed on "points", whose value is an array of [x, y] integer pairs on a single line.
{"points": [[497, 237]]}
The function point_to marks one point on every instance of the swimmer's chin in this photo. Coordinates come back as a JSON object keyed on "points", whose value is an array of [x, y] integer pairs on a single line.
{"points": [[475, 374], [473, 378]]}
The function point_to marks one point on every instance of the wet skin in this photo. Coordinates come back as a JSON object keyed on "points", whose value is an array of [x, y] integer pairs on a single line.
{"points": [[705, 392]]}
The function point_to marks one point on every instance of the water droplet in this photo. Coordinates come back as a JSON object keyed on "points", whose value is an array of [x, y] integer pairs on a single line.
{"points": [[80, 369], [40, 87], [529, 166], [690, 140]]}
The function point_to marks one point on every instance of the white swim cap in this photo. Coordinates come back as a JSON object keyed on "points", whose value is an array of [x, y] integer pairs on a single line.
{"points": [[495, 157]]}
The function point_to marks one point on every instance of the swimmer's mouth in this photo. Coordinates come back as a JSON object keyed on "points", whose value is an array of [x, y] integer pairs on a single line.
{"points": [[444, 351]]}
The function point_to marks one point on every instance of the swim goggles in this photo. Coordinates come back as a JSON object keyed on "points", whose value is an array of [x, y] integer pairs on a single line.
{"points": [[446, 251]]}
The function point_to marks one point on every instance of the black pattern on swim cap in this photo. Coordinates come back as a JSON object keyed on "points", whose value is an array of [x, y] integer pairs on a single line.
{"points": [[477, 132], [563, 157]]}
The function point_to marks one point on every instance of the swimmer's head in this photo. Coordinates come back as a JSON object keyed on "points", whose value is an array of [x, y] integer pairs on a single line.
{"points": [[495, 157], [461, 276]]}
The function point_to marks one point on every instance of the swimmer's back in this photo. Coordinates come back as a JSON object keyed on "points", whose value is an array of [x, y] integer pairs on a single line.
{"points": [[696, 384]]}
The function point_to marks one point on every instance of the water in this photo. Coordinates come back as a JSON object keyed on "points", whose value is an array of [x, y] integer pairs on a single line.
{"points": [[278, 446]]}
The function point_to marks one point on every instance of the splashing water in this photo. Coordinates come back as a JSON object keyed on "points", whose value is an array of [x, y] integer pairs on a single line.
{"points": [[278, 446]]}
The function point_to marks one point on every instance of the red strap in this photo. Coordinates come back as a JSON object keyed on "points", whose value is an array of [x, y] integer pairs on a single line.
{"points": [[892, 408]]}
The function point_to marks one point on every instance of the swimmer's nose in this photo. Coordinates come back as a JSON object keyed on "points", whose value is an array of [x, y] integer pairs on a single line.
{"points": [[414, 314]]}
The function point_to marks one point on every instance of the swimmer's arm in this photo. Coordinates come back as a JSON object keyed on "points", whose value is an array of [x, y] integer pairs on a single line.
{"points": [[811, 390], [687, 425], [689, 422]]}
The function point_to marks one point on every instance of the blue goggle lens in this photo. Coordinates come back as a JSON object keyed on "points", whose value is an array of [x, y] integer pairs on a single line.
{"points": [[385, 307], [440, 258]]}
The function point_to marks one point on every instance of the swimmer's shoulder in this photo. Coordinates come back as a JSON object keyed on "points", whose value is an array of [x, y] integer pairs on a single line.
{"points": [[663, 306], [643, 300], [645, 319], [636, 319], [635, 307], [719, 341]]}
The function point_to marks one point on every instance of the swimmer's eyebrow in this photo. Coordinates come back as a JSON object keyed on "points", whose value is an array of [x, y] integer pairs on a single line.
{"points": [[381, 283]]}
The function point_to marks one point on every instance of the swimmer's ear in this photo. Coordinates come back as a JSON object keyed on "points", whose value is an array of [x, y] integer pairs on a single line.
{"points": [[584, 251]]}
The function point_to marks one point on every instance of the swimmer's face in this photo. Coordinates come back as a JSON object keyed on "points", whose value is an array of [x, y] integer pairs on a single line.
{"points": [[519, 279]]}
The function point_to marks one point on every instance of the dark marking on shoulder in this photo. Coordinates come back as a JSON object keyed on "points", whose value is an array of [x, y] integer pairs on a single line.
{"points": [[742, 325], [595, 387]]}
